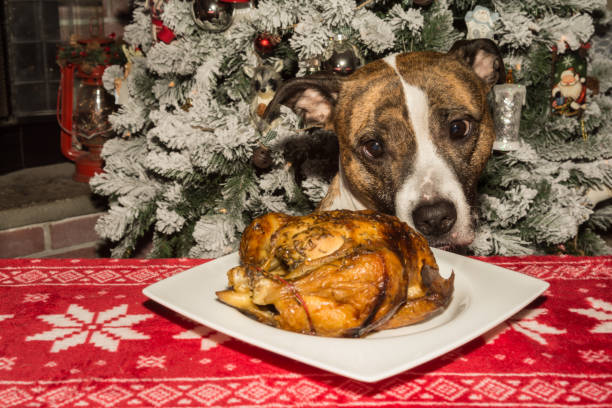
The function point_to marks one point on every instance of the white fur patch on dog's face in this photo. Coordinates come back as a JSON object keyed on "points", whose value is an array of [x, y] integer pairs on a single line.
{"points": [[432, 177]]}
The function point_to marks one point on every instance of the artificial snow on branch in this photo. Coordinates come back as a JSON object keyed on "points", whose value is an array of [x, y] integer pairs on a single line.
{"points": [[183, 167]]}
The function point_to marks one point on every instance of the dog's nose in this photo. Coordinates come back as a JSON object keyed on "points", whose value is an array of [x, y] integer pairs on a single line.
{"points": [[436, 218]]}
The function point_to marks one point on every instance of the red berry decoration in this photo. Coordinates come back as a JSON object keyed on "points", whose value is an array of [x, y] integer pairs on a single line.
{"points": [[266, 43]]}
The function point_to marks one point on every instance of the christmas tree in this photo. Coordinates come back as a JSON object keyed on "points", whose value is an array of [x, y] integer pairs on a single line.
{"points": [[193, 162]]}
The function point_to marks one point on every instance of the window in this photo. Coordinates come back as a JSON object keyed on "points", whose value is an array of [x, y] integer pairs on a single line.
{"points": [[34, 30]]}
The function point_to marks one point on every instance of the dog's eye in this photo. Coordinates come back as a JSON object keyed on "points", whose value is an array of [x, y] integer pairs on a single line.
{"points": [[459, 129], [257, 85], [373, 149]]}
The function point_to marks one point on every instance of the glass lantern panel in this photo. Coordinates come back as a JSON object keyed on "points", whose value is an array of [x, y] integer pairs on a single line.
{"points": [[92, 107]]}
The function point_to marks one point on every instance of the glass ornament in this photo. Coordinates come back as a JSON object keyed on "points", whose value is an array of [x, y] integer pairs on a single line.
{"points": [[509, 101], [342, 57], [212, 15]]}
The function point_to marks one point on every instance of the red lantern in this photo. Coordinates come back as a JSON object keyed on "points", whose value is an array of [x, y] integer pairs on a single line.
{"points": [[83, 106]]}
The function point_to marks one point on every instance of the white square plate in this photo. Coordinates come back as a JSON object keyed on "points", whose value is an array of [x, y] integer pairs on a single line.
{"points": [[485, 295]]}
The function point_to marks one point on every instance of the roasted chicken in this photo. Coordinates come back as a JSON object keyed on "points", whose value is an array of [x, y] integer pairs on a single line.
{"points": [[336, 273]]}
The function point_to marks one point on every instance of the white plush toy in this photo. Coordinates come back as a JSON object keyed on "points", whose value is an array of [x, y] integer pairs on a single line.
{"points": [[480, 23]]}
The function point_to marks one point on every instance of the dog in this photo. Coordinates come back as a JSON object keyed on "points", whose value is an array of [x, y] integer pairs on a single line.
{"points": [[414, 133]]}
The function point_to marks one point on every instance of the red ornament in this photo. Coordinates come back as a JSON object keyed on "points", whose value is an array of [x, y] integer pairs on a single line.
{"points": [[266, 43], [162, 32]]}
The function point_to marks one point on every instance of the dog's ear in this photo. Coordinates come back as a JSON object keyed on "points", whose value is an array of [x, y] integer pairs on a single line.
{"points": [[312, 97], [483, 56]]}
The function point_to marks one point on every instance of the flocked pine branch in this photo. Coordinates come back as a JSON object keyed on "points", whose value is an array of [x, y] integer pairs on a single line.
{"points": [[182, 168]]}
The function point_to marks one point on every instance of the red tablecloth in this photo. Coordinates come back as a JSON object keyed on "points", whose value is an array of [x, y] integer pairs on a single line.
{"points": [[79, 333]]}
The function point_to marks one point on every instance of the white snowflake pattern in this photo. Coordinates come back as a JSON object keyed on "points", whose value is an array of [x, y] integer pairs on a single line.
{"points": [[7, 363], [525, 322], [35, 297], [151, 361], [568, 61], [595, 356], [80, 326], [599, 310], [202, 332]]}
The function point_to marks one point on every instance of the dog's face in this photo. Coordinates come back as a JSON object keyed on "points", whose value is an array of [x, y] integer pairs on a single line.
{"points": [[414, 132]]}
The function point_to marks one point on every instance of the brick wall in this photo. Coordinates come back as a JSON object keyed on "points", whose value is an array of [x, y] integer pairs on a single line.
{"points": [[69, 238], [73, 237]]}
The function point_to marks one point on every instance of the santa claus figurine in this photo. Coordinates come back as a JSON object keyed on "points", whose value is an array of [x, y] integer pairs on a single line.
{"points": [[570, 93]]}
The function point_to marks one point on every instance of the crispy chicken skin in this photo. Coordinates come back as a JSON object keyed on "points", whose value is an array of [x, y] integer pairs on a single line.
{"points": [[336, 273]]}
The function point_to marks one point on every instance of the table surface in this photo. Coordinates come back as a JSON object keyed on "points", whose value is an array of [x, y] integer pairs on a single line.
{"points": [[80, 333]]}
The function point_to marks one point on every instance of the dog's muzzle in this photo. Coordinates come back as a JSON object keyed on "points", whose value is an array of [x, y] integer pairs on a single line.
{"points": [[435, 219]]}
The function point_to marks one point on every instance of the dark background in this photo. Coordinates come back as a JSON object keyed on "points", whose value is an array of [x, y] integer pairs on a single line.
{"points": [[30, 34]]}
